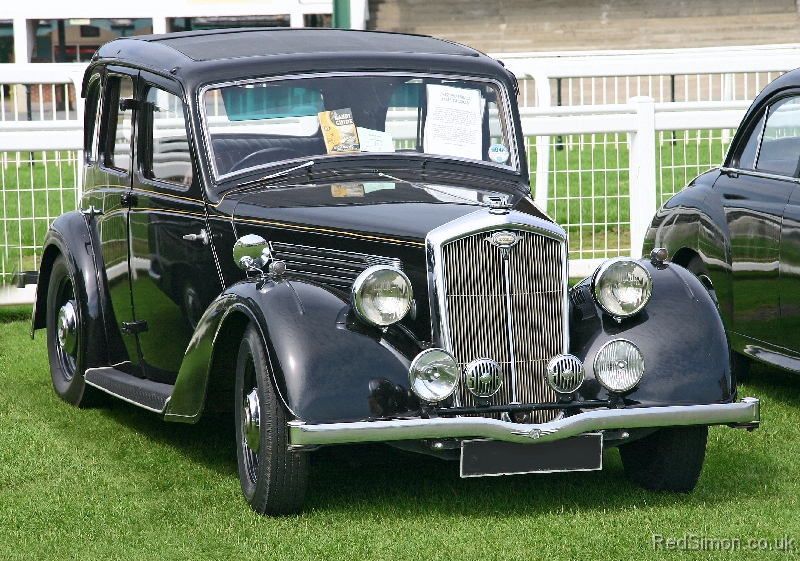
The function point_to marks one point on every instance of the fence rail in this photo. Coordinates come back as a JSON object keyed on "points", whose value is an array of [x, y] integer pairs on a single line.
{"points": [[610, 136]]}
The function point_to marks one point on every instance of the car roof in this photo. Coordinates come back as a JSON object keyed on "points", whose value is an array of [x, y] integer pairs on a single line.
{"points": [[216, 45], [197, 57]]}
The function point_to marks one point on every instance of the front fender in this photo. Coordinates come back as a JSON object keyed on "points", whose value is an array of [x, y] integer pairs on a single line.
{"points": [[680, 334], [70, 236], [326, 365]]}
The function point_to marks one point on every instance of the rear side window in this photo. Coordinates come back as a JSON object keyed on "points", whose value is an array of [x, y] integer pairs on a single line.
{"points": [[169, 158], [780, 145]]}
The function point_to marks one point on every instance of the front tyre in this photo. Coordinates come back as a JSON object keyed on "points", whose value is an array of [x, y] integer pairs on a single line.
{"points": [[273, 478], [670, 459], [66, 340]]}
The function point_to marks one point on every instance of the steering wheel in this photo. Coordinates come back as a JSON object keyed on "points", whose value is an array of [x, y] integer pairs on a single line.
{"points": [[265, 156]]}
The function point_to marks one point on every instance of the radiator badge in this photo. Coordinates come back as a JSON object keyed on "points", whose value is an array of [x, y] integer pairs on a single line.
{"points": [[504, 239]]}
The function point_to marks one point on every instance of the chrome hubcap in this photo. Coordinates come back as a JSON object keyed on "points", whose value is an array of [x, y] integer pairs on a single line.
{"points": [[251, 418], [66, 326]]}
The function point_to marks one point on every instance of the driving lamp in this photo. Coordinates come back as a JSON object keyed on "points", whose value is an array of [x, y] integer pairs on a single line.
{"points": [[381, 295], [622, 287]]}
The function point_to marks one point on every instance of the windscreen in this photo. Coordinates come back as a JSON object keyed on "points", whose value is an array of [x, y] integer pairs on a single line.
{"points": [[262, 123]]}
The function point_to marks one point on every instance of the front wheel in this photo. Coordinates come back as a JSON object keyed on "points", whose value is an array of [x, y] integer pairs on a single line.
{"points": [[273, 478], [66, 339], [670, 459]]}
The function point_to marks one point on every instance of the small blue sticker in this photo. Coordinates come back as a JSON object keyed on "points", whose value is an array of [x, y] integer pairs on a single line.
{"points": [[498, 153]]}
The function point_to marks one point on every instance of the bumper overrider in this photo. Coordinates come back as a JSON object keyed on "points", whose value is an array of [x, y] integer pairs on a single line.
{"points": [[743, 414]]}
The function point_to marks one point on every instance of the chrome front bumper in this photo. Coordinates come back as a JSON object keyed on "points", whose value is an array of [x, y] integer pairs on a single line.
{"points": [[744, 414]]}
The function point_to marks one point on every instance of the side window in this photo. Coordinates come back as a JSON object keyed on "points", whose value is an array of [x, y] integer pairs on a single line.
{"points": [[117, 150], [92, 122], [780, 146], [747, 159], [169, 158]]}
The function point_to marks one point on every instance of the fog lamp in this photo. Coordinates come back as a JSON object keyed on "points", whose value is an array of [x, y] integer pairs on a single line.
{"points": [[619, 365], [433, 375], [565, 373]]}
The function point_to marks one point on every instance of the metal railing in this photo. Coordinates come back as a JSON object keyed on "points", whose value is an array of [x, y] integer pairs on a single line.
{"points": [[41, 123], [601, 163]]}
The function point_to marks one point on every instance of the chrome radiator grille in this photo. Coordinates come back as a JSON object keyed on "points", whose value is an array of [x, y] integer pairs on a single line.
{"points": [[513, 314]]}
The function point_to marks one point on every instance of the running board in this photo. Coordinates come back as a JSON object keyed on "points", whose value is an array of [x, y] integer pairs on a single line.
{"points": [[147, 394]]}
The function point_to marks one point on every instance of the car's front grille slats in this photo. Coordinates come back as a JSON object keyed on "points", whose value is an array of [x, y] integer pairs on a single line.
{"points": [[327, 266], [480, 304]]}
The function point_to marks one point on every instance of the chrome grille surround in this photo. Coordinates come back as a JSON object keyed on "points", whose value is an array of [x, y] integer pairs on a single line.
{"points": [[511, 310]]}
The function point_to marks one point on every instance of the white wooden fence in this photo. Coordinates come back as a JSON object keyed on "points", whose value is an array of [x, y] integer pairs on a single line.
{"points": [[632, 129]]}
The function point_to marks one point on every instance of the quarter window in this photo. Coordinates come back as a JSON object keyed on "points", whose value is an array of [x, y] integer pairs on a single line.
{"points": [[169, 144], [118, 145], [780, 147], [92, 127]]}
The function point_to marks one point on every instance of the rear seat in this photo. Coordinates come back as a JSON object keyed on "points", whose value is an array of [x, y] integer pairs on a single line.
{"points": [[230, 149]]}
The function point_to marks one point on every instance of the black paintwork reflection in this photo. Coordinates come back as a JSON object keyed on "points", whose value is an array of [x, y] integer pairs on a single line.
{"points": [[172, 280], [754, 210], [789, 334]]}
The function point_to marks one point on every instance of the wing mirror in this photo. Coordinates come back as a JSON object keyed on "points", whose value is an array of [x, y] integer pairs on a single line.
{"points": [[252, 253]]}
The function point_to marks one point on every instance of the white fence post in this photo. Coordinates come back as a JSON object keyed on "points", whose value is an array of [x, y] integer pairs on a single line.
{"points": [[642, 171], [542, 145], [77, 82]]}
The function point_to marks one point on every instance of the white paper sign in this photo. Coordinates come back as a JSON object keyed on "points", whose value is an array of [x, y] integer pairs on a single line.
{"points": [[453, 124], [375, 141]]}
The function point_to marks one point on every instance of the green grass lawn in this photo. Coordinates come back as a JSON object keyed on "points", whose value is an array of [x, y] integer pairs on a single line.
{"points": [[116, 482]]}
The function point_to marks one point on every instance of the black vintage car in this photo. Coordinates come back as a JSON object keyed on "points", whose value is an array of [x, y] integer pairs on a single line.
{"points": [[330, 233], [738, 229]]}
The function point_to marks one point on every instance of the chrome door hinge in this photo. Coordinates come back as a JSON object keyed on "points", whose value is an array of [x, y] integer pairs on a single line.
{"points": [[90, 212], [134, 327]]}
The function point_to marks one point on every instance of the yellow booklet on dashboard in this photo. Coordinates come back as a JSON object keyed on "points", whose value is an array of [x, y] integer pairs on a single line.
{"points": [[339, 131]]}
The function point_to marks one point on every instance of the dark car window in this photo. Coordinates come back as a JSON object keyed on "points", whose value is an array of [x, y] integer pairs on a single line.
{"points": [[92, 126], [780, 147], [169, 158], [747, 159], [261, 123], [118, 136]]}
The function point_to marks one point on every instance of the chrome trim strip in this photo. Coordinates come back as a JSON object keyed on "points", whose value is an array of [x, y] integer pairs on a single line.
{"points": [[745, 412], [761, 174]]}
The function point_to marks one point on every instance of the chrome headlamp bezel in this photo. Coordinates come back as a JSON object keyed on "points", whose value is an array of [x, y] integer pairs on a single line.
{"points": [[605, 298], [357, 295]]}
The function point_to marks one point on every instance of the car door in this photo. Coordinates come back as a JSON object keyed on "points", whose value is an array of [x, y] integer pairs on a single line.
{"points": [[173, 272], [787, 129], [755, 195], [111, 179]]}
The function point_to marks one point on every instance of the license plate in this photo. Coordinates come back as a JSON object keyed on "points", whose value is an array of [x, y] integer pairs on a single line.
{"points": [[495, 457]]}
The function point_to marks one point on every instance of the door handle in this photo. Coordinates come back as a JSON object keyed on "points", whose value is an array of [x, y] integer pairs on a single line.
{"points": [[202, 236]]}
